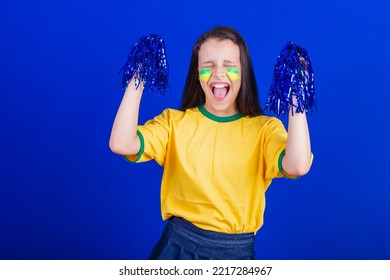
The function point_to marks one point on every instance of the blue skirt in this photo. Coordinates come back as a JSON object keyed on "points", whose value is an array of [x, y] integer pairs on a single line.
{"points": [[182, 240]]}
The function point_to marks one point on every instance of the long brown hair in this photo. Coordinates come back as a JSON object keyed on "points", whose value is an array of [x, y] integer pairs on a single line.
{"points": [[247, 98]]}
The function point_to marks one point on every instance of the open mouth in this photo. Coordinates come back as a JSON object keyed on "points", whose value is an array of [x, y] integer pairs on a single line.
{"points": [[220, 90]]}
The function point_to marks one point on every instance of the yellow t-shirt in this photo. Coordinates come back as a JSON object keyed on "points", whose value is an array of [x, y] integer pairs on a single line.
{"points": [[216, 169]]}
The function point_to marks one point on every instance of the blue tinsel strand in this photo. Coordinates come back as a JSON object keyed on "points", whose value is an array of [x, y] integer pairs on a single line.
{"points": [[147, 62], [293, 75]]}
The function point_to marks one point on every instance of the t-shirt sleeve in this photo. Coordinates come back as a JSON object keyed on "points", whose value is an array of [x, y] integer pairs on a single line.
{"points": [[275, 145], [275, 148], [153, 135]]}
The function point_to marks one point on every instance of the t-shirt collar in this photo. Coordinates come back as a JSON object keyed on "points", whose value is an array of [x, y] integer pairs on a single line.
{"points": [[213, 117]]}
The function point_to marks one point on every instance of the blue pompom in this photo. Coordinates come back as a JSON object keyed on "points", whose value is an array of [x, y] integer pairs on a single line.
{"points": [[147, 62], [293, 75]]}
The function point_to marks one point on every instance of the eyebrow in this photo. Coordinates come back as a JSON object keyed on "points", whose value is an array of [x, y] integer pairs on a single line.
{"points": [[229, 61]]}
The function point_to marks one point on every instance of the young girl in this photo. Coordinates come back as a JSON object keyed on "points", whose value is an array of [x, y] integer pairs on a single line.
{"points": [[219, 152]]}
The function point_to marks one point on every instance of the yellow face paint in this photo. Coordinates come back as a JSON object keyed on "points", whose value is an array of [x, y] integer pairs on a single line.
{"points": [[205, 74], [233, 73]]}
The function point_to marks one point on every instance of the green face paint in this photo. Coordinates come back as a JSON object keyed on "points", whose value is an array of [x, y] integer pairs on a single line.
{"points": [[233, 73], [205, 74]]}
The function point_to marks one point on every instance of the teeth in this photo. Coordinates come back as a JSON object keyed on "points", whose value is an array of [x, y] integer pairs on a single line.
{"points": [[219, 85]]}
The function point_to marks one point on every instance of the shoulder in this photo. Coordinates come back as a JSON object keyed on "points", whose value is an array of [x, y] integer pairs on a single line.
{"points": [[264, 125], [263, 120], [173, 117], [176, 115]]}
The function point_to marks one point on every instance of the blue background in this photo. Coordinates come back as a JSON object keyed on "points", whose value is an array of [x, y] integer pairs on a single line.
{"points": [[65, 195]]}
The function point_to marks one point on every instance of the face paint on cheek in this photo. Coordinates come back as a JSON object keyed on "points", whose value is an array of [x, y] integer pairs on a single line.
{"points": [[205, 74], [233, 73]]}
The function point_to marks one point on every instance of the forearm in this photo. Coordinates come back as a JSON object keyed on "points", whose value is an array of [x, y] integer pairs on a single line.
{"points": [[297, 159], [124, 139]]}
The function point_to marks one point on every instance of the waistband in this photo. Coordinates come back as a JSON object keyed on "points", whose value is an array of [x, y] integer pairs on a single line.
{"points": [[211, 236]]}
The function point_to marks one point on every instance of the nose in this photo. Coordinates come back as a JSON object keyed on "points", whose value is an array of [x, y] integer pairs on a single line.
{"points": [[220, 72]]}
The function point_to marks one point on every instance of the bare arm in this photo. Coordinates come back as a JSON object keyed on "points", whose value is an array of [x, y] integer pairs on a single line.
{"points": [[124, 139], [297, 159]]}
